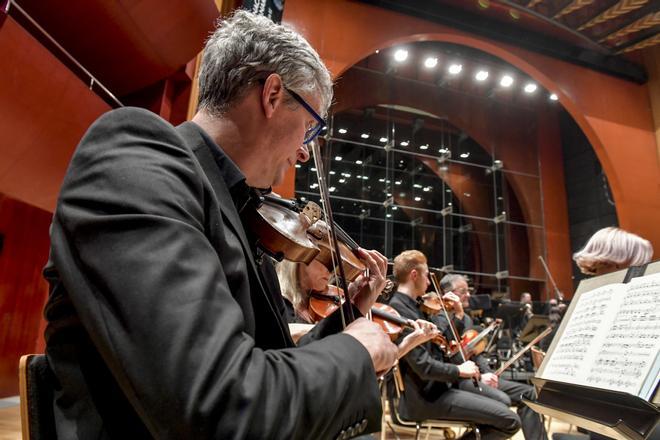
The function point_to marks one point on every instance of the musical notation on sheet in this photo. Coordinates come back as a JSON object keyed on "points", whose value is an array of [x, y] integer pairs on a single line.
{"points": [[632, 340], [612, 339]]}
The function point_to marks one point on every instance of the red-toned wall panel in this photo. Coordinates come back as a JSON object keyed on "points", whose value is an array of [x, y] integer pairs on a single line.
{"points": [[23, 290], [127, 44], [44, 111]]}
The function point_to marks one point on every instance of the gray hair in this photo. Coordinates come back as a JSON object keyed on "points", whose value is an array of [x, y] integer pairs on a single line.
{"points": [[447, 282], [613, 247], [246, 48]]}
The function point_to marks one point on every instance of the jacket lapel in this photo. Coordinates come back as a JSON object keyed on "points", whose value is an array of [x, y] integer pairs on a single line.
{"points": [[202, 151]]}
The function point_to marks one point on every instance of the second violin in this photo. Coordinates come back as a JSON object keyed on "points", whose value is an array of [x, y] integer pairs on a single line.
{"points": [[324, 304]]}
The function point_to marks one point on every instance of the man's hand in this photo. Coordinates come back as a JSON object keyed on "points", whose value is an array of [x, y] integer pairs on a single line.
{"points": [[423, 331], [468, 369], [490, 379], [382, 351], [458, 307], [364, 290]]}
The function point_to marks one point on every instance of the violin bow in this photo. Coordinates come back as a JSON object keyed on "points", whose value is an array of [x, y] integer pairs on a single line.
{"points": [[558, 295], [346, 309], [454, 332], [517, 356]]}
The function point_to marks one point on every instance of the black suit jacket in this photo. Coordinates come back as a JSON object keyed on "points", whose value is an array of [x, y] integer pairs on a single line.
{"points": [[426, 376], [159, 322]]}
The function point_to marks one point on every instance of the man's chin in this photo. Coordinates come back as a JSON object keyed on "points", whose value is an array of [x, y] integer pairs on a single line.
{"points": [[279, 176]]}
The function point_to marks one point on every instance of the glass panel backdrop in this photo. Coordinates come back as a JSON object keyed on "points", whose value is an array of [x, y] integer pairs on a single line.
{"points": [[401, 179]]}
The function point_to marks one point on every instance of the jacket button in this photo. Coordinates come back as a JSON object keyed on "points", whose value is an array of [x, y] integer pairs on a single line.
{"points": [[363, 425]]}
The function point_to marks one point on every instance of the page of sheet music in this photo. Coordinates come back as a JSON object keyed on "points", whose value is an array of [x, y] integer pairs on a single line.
{"points": [[613, 338], [581, 339]]}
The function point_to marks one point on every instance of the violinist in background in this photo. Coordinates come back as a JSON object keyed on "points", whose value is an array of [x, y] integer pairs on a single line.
{"points": [[430, 382], [526, 303], [508, 392], [298, 281], [164, 320], [554, 318]]}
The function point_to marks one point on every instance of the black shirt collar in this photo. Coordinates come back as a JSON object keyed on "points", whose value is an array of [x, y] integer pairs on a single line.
{"points": [[240, 192], [230, 172]]}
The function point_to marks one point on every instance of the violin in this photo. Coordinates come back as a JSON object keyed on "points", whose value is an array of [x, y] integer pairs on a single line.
{"points": [[287, 231], [474, 342], [324, 304], [429, 303], [352, 265], [282, 230]]}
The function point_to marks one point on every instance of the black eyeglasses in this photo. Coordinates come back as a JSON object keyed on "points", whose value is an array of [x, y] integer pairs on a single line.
{"points": [[313, 131]]}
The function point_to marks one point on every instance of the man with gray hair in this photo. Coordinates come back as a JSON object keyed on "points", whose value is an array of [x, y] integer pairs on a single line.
{"points": [[455, 288], [164, 318]]}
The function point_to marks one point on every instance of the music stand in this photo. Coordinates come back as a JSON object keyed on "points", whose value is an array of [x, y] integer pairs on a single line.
{"points": [[533, 328], [480, 302], [511, 313]]}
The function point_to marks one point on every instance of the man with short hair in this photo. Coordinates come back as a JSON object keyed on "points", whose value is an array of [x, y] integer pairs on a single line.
{"points": [[163, 318], [429, 392], [455, 287]]}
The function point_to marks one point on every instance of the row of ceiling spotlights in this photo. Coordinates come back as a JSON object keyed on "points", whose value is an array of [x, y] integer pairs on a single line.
{"points": [[402, 143], [401, 55]]}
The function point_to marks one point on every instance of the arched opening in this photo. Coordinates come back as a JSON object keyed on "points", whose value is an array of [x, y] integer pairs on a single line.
{"points": [[438, 152]]}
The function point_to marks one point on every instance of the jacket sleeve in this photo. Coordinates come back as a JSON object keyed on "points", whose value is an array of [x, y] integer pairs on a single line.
{"points": [[129, 244], [428, 367], [421, 359], [327, 326]]}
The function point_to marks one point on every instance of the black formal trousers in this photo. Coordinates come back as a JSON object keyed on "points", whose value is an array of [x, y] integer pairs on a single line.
{"points": [[511, 393], [493, 418], [160, 322], [430, 394]]}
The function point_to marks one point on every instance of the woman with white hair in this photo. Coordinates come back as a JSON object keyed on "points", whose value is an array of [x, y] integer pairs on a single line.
{"points": [[611, 249]]}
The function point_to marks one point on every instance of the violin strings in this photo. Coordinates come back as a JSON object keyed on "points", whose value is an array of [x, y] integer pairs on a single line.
{"points": [[347, 313]]}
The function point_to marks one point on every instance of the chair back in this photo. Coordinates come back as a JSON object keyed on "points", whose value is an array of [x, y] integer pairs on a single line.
{"points": [[36, 392]]}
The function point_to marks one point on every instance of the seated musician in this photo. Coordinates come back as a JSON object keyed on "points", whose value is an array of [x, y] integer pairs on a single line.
{"points": [[160, 321], [455, 288], [298, 281], [431, 391]]}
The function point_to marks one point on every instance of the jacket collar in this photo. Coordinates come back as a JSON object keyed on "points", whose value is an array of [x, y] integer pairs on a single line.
{"points": [[201, 147]]}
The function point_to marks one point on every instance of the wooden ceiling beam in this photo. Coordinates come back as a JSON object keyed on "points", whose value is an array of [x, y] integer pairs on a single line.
{"points": [[651, 41], [649, 20], [622, 8], [572, 7]]}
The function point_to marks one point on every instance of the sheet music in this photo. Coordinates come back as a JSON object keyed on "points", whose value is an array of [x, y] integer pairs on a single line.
{"points": [[612, 339], [581, 339]]}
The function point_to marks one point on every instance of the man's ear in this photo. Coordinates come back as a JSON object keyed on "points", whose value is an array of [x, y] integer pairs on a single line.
{"points": [[272, 94], [413, 274]]}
